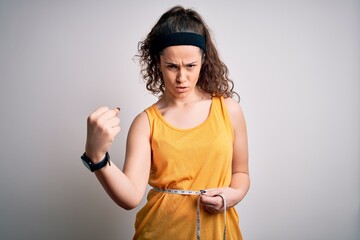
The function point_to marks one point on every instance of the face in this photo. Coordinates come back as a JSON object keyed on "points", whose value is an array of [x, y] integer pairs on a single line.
{"points": [[180, 67]]}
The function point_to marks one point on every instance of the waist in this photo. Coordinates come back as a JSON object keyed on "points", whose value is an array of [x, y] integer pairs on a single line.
{"points": [[198, 193], [177, 191]]}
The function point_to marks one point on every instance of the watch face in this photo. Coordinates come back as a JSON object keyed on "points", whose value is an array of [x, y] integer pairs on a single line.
{"points": [[86, 163], [93, 167]]}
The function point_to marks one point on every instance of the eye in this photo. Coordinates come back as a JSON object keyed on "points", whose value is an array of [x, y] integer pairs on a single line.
{"points": [[191, 66], [172, 66]]}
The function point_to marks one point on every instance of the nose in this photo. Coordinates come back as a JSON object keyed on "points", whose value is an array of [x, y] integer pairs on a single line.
{"points": [[181, 76]]}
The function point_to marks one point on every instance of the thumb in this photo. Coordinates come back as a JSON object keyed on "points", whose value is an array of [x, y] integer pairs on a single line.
{"points": [[212, 192], [117, 111]]}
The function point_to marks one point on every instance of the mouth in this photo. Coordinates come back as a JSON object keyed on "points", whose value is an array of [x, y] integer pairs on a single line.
{"points": [[181, 89]]}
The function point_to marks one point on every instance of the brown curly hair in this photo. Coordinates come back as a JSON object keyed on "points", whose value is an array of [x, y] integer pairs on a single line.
{"points": [[213, 77]]}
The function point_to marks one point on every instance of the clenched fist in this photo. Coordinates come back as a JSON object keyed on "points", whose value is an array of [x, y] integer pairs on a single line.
{"points": [[102, 127]]}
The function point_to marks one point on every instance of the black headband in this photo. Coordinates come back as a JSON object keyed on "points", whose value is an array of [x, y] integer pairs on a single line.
{"points": [[180, 38]]}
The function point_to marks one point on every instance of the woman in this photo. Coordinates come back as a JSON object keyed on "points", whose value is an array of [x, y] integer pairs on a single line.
{"points": [[190, 146]]}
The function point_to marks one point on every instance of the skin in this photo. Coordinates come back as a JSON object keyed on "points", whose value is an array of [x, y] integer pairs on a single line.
{"points": [[184, 106]]}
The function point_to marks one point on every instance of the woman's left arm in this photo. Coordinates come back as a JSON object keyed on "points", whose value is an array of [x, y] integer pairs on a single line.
{"points": [[240, 180]]}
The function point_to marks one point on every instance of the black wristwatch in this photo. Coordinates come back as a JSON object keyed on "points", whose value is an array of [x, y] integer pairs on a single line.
{"points": [[93, 167]]}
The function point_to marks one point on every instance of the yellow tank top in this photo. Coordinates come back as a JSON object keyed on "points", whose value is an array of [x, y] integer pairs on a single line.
{"points": [[187, 159]]}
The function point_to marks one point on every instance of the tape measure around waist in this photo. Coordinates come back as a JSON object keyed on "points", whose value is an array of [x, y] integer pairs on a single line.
{"points": [[198, 193]]}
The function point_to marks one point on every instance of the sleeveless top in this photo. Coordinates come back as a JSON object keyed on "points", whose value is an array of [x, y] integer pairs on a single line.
{"points": [[198, 158]]}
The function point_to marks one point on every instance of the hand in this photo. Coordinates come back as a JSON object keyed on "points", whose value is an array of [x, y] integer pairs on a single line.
{"points": [[102, 127], [213, 203]]}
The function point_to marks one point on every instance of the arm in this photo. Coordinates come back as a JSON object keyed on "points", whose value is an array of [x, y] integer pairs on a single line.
{"points": [[240, 180], [240, 167], [126, 187]]}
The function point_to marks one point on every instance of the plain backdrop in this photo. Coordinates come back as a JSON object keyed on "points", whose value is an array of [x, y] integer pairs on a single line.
{"points": [[296, 65]]}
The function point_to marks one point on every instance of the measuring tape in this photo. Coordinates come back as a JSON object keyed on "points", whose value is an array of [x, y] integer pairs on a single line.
{"points": [[198, 193]]}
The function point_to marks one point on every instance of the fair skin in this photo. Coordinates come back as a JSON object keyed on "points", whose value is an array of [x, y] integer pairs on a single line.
{"points": [[184, 106]]}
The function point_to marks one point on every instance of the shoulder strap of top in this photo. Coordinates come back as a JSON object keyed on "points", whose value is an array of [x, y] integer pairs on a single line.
{"points": [[151, 114], [219, 108], [223, 111]]}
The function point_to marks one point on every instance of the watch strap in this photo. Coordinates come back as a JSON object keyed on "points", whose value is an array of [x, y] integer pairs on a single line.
{"points": [[96, 166]]}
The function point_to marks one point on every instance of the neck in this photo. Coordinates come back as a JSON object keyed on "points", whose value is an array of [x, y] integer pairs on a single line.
{"points": [[195, 96]]}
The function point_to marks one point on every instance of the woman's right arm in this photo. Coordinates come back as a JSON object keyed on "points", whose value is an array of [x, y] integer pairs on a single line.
{"points": [[126, 187]]}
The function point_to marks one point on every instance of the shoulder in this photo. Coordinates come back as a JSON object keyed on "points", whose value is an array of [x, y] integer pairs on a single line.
{"points": [[140, 124], [141, 118], [235, 112], [232, 106], [144, 117]]}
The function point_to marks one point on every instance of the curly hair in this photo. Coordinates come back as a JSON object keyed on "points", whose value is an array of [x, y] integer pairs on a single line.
{"points": [[213, 77]]}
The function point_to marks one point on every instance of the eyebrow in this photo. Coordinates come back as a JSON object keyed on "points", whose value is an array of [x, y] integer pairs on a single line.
{"points": [[171, 63]]}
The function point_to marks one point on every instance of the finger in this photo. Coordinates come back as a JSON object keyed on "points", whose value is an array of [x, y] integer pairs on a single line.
{"points": [[208, 200], [113, 122], [109, 114], [212, 203], [212, 192], [212, 210], [98, 112], [115, 130]]}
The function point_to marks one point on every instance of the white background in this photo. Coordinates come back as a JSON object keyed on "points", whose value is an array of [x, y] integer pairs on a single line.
{"points": [[294, 63]]}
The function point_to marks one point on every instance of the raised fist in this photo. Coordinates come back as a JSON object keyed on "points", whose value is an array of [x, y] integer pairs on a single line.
{"points": [[102, 127]]}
